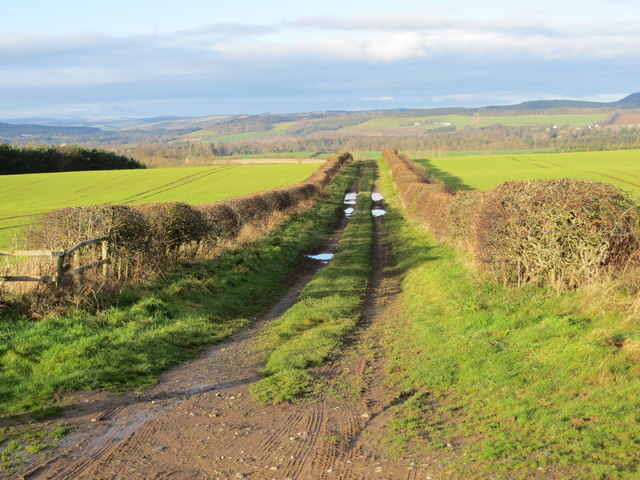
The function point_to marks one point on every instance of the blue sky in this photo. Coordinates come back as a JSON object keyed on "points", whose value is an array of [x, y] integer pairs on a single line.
{"points": [[142, 58]]}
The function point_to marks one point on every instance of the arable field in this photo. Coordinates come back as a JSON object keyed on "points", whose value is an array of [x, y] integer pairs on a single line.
{"points": [[24, 196], [213, 136], [460, 121], [620, 168]]}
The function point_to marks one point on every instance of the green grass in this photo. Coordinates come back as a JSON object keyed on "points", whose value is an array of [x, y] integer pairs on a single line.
{"points": [[461, 153], [527, 382], [158, 324], [22, 196], [367, 155], [620, 168], [326, 311], [18, 444]]}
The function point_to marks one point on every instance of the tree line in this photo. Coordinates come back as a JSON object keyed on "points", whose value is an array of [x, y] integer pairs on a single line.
{"points": [[64, 158]]}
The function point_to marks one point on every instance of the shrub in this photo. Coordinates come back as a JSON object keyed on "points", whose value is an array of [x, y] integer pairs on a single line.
{"points": [[250, 208], [462, 214], [563, 232], [65, 227], [279, 200], [172, 224], [431, 206], [329, 169], [305, 191], [221, 222]]}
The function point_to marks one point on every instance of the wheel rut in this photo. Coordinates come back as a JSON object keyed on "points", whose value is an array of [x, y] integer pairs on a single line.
{"points": [[200, 421]]}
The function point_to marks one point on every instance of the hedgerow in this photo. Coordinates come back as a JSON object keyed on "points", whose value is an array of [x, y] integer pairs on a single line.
{"points": [[565, 233], [561, 232], [151, 233]]}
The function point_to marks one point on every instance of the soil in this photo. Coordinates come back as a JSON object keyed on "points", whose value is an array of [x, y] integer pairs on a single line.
{"points": [[200, 421], [627, 120]]}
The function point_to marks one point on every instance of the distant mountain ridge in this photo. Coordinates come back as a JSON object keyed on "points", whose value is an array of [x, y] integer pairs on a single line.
{"points": [[33, 129], [630, 101], [19, 129]]}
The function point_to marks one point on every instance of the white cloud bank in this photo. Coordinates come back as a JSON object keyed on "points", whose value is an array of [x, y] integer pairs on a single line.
{"points": [[385, 58]]}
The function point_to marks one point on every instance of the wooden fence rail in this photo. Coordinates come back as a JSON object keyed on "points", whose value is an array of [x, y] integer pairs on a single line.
{"points": [[74, 252]]}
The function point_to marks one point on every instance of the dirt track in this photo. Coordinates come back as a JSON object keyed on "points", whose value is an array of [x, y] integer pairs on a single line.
{"points": [[200, 421]]}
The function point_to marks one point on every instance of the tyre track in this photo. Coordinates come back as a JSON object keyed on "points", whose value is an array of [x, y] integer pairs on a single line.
{"points": [[172, 185], [120, 435], [202, 422]]}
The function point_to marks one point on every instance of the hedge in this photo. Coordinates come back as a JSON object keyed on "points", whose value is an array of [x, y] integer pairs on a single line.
{"points": [[147, 232], [565, 233]]}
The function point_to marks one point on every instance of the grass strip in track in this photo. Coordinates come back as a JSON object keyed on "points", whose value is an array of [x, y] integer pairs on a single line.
{"points": [[520, 383], [159, 324], [327, 309]]}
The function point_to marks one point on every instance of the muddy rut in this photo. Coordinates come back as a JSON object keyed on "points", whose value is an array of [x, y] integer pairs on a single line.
{"points": [[200, 421]]}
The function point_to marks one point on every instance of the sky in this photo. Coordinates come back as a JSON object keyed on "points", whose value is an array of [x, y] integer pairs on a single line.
{"points": [[143, 58]]}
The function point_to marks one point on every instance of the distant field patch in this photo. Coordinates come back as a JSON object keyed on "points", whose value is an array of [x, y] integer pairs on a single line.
{"points": [[208, 136], [461, 153], [460, 121], [627, 120], [23, 196], [279, 155], [620, 168], [419, 123], [559, 120]]}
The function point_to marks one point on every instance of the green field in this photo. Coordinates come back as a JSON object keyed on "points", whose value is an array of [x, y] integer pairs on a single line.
{"points": [[620, 168], [523, 382], [459, 121], [213, 136], [23, 196]]}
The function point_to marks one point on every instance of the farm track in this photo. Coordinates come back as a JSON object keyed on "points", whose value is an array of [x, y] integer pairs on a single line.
{"points": [[200, 421]]}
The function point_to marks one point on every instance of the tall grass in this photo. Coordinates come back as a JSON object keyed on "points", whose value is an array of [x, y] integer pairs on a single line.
{"points": [[522, 383]]}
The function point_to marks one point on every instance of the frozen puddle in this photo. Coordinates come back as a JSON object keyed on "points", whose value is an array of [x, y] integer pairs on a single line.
{"points": [[348, 212], [378, 212], [376, 197], [322, 257], [350, 198]]}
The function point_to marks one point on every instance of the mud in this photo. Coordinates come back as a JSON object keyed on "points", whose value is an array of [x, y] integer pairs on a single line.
{"points": [[200, 421]]}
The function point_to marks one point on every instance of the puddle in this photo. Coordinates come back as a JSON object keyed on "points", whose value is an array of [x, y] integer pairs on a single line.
{"points": [[349, 202], [348, 212], [378, 212], [323, 257], [351, 197], [376, 197]]}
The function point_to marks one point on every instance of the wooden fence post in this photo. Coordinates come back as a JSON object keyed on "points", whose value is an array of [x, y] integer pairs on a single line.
{"points": [[59, 267], [105, 254]]}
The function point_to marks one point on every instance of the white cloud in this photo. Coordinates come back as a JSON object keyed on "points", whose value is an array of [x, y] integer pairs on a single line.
{"points": [[394, 59], [380, 99], [458, 97]]}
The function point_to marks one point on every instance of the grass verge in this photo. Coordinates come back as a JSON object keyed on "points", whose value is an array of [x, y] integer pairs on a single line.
{"points": [[159, 323], [327, 309], [514, 383]]}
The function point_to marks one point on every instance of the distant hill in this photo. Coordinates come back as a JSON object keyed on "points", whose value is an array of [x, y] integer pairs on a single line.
{"points": [[170, 128], [31, 129], [630, 101]]}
